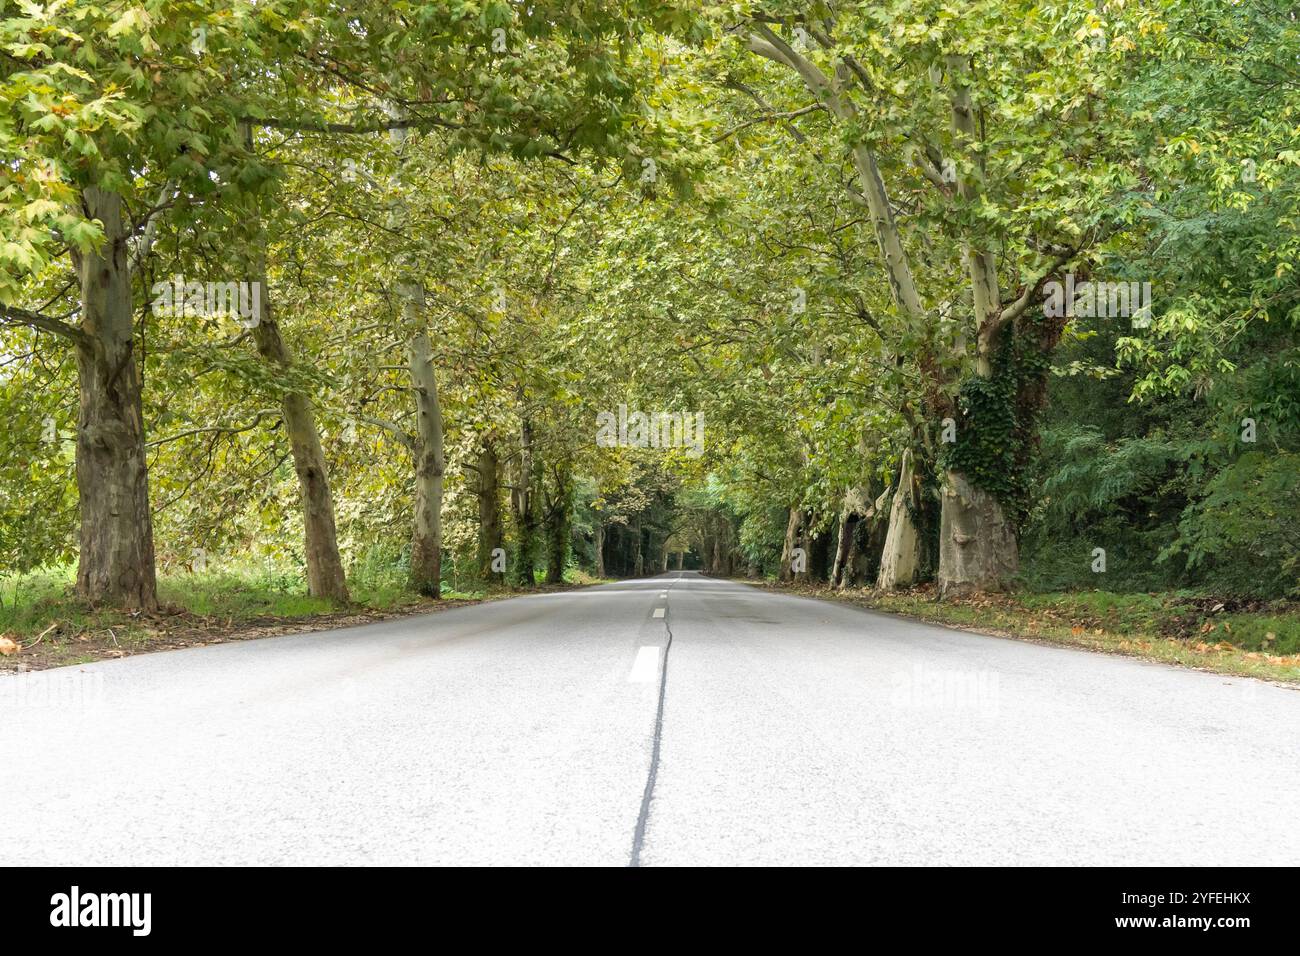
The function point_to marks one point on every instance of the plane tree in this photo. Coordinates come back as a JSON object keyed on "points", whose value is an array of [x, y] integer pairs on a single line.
{"points": [[989, 150]]}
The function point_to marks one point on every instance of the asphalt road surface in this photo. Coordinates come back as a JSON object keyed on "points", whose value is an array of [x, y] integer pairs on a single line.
{"points": [[544, 730]]}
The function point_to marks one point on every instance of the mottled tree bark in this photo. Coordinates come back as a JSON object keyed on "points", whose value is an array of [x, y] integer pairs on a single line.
{"points": [[487, 490], [978, 550], [977, 545], [857, 509], [325, 577], [430, 466], [786, 573], [116, 560], [901, 557], [843, 543], [425, 576]]}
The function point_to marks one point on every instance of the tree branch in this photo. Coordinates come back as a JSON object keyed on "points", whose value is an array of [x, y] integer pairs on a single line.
{"points": [[45, 323], [379, 126], [771, 117], [1018, 307], [767, 44], [393, 428], [221, 429]]}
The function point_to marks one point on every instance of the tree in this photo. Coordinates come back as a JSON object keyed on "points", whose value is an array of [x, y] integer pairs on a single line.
{"points": [[1024, 174]]}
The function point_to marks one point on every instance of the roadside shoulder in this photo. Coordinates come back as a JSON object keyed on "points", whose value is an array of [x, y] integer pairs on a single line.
{"points": [[1060, 622]]}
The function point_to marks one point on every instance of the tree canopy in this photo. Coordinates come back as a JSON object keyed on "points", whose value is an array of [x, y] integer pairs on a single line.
{"points": [[870, 293]]}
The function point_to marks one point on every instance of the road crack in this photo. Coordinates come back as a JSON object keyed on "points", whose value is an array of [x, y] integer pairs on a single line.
{"points": [[638, 837]]}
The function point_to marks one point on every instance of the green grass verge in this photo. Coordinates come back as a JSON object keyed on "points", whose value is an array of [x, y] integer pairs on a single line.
{"points": [[1256, 640], [42, 624]]}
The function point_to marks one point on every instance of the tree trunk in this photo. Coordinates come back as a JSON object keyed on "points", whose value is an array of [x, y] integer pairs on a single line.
{"points": [[600, 549], [869, 544], [856, 509], [901, 558], [116, 561], [977, 546], [430, 465], [819, 556], [559, 525], [523, 505], [430, 462], [852, 572], [325, 577], [806, 545], [611, 555], [487, 491], [786, 573], [638, 558], [616, 549], [557, 551], [840, 566]]}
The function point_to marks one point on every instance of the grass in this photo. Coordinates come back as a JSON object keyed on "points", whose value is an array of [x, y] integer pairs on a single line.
{"points": [[33, 602], [580, 578], [42, 624], [1249, 639]]}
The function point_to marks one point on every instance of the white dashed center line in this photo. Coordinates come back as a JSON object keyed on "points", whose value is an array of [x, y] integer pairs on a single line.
{"points": [[645, 669], [659, 612]]}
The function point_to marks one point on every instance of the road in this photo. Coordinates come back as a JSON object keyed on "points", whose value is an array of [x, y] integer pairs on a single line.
{"points": [[526, 731]]}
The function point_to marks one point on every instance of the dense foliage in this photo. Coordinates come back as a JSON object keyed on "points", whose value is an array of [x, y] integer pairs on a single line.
{"points": [[477, 231]]}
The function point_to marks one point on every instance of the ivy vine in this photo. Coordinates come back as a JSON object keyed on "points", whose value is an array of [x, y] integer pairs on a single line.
{"points": [[996, 442]]}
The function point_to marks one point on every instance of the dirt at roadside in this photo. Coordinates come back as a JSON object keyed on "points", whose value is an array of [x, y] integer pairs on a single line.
{"points": [[173, 628]]}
